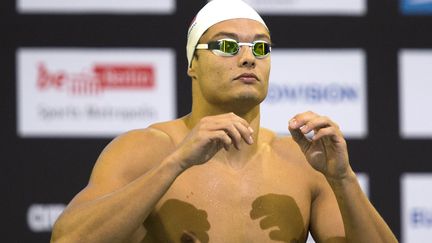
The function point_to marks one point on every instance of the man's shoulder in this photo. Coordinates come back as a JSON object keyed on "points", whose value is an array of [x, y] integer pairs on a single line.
{"points": [[159, 135], [162, 131], [175, 130], [138, 150], [167, 127]]}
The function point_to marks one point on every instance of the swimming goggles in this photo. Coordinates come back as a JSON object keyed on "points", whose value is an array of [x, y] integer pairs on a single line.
{"points": [[230, 47]]}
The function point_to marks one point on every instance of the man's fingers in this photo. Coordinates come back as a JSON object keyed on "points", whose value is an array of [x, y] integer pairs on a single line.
{"points": [[241, 126], [298, 135], [235, 127], [234, 134], [302, 119], [332, 133], [309, 121], [318, 123], [221, 138], [245, 131], [228, 129]]}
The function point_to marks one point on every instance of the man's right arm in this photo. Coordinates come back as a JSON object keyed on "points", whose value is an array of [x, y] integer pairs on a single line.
{"points": [[131, 175]]}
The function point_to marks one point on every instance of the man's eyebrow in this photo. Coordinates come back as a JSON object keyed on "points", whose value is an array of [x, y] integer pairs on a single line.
{"points": [[236, 37], [225, 34], [262, 36]]}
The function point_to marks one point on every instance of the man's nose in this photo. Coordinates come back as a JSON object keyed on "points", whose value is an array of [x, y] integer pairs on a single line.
{"points": [[246, 57]]}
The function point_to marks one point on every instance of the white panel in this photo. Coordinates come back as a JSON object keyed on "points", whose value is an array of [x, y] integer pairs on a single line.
{"points": [[328, 82], [416, 204], [41, 217], [415, 87], [96, 6], [310, 7], [93, 92]]}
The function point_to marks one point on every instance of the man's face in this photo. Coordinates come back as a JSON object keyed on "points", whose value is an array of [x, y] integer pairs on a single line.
{"points": [[242, 78]]}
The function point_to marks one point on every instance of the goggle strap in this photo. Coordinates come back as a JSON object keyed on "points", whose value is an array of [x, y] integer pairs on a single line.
{"points": [[202, 47]]}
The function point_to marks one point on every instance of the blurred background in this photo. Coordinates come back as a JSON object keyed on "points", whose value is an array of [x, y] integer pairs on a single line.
{"points": [[75, 74]]}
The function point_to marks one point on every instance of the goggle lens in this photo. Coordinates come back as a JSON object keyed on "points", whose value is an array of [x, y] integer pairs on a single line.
{"points": [[261, 48], [229, 47]]}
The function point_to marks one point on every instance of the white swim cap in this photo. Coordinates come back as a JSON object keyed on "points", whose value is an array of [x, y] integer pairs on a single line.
{"points": [[214, 12]]}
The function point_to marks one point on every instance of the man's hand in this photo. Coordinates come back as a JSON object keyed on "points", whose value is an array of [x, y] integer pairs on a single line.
{"points": [[211, 134], [326, 151]]}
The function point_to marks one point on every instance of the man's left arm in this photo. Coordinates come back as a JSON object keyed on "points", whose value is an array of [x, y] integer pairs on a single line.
{"points": [[327, 153]]}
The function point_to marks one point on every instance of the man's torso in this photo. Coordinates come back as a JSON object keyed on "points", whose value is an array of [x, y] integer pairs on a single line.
{"points": [[266, 200]]}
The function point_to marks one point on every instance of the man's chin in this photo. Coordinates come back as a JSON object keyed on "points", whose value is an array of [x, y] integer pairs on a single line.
{"points": [[247, 100], [250, 97]]}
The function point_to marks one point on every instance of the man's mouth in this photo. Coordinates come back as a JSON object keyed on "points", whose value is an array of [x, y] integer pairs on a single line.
{"points": [[247, 77]]}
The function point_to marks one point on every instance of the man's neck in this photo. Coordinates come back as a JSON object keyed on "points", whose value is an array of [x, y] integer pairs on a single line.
{"points": [[235, 158]]}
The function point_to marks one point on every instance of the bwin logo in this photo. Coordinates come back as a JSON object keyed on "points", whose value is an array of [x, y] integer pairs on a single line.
{"points": [[312, 93], [41, 217], [421, 217]]}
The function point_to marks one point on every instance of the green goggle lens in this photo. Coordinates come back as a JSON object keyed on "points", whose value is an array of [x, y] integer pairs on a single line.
{"points": [[261, 48], [229, 47]]}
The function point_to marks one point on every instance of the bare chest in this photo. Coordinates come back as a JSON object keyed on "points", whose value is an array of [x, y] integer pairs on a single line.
{"points": [[216, 204]]}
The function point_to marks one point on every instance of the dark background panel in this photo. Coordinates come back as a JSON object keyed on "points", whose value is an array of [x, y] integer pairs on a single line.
{"points": [[48, 170]]}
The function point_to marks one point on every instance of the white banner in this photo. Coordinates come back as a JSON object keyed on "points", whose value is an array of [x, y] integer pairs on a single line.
{"points": [[415, 86], [93, 92], [416, 203], [96, 6], [310, 7], [41, 217], [328, 82]]}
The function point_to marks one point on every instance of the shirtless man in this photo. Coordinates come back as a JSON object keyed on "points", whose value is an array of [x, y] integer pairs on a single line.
{"points": [[215, 175]]}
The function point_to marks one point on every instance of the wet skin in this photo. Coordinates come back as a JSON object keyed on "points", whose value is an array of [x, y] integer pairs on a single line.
{"points": [[178, 221]]}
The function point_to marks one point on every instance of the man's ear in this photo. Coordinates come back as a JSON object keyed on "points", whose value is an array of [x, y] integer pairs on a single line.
{"points": [[191, 72]]}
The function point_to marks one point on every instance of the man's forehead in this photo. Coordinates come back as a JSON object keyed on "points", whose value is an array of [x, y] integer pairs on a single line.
{"points": [[236, 36], [236, 29]]}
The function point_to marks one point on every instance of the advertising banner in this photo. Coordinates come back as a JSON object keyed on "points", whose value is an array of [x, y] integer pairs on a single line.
{"points": [[327, 82], [310, 7], [75, 92], [416, 203], [96, 6], [415, 85]]}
